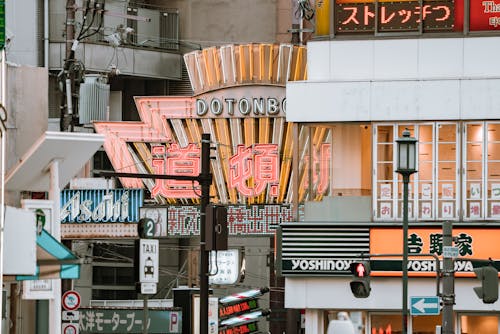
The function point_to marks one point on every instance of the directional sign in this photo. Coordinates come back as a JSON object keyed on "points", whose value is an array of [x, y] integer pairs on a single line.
{"points": [[424, 305]]}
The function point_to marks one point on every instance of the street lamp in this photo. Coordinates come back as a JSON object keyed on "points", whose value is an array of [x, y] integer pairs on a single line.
{"points": [[406, 166]]}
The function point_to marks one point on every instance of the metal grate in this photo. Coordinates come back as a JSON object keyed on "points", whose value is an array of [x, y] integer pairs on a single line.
{"points": [[169, 30]]}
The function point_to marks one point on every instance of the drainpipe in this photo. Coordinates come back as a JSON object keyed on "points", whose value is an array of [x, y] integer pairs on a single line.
{"points": [[46, 33], [2, 177]]}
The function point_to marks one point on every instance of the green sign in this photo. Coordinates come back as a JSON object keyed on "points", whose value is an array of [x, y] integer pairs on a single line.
{"points": [[106, 320], [2, 24]]}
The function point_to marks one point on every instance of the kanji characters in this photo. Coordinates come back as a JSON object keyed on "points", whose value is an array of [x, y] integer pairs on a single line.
{"points": [[253, 168], [176, 161]]}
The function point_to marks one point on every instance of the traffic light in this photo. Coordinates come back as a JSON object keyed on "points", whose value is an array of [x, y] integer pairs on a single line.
{"points": [[216, 231], [360, 284], [488, 291]]}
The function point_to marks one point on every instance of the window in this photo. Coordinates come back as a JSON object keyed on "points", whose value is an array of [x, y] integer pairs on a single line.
{"points": [[433, 192], [478, 324], [482, 170]]}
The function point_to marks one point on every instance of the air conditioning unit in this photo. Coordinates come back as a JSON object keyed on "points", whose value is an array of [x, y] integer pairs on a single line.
{"points": [[94, 99]]}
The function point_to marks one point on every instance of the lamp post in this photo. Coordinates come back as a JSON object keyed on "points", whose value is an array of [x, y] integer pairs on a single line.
{"points": [[406, 166]]}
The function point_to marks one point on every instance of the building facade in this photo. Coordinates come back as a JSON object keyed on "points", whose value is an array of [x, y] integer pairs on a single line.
{"points": [[378, 69], [96, 57]]}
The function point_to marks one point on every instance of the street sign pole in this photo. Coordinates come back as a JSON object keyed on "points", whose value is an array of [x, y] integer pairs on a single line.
{"points": [[448, 282]]}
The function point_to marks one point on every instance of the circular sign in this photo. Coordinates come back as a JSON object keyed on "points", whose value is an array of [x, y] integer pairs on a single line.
{"points": [[71, 300], [70, 329]]}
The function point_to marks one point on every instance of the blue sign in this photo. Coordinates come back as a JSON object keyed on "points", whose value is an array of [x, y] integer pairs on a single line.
{"points": [[424, 305], [101, 205]]}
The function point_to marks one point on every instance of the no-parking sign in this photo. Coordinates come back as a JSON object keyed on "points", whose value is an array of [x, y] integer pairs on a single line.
{"points": [[71, 300], [70, 328]]}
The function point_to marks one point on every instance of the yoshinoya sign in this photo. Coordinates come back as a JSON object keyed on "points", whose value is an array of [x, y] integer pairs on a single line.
{"points": [[327, 249], [113, 205]]}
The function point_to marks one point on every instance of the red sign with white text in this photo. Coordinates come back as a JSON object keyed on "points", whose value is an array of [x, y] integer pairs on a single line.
{"points": [[484, 15]]}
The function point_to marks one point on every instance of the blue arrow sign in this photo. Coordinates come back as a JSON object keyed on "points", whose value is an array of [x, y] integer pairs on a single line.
{"points": [[424, 305]]}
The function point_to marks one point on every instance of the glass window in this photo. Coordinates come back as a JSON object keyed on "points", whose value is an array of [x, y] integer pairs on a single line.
{"points": [[482, 170], [433, 190], [478, 324], [393, 323]]}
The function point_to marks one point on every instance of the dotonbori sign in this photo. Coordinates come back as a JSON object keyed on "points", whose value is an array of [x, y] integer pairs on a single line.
{"points": [[242, 102], [256, 106]]}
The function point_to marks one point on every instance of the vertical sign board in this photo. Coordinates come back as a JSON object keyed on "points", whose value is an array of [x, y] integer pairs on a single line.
{"points": [[148, 260], [40, 289]]}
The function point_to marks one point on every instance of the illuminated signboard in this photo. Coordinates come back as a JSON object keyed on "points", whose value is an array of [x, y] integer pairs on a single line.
{"points": [[484, 15], [334, 259], [240, 100], [359, 16], [245, 328], [100, 205], [227, 311], [353, 16]]}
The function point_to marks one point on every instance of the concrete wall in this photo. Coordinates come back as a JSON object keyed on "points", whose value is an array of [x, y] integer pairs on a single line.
{"points": [[25, 38], [339, 208], [27, 109], [216, 22], [386, 293], [398, 79]]}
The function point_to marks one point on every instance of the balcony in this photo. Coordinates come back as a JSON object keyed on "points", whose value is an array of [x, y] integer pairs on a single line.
{"points": [[133, 40]]}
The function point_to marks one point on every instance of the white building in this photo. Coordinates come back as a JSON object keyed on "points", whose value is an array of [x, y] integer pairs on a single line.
{"points": [[369, 81]]}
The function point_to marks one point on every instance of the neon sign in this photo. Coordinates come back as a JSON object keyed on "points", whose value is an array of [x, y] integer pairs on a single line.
{"points": [[394, 16], [257, 106], [176, 161], [257, 164]]}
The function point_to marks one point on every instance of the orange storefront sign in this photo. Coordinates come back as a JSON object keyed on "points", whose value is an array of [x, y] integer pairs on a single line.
{"points": [[475, 247]]}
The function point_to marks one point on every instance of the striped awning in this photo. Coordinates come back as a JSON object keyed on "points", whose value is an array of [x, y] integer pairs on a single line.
{"points": [[53, 259]]}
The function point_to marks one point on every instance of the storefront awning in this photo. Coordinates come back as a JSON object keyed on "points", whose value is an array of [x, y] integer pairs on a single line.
{"points": [[54, 260]]}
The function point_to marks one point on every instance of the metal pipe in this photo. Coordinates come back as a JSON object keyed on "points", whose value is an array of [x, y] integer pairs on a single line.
{"points": [[46, 33], [404, 263], [206, 178], [55, 308], [448, 296], [2, 182], [69, 98]]}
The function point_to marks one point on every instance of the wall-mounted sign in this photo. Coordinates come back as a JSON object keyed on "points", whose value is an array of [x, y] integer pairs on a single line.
{"points": [[355, 17], [484, 15], [159, 216], [242, 219], [472, 245], [41, 289], [301, 253], [319, 249], [224, 267], [100, 205], [114, 320]]}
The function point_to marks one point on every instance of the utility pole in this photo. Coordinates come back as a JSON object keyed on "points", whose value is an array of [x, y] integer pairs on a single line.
{"points": [[448, 296], [205, 181]]}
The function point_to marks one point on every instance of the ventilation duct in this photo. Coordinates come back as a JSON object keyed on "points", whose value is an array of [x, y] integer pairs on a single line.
{"points": [[94, 99]]}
